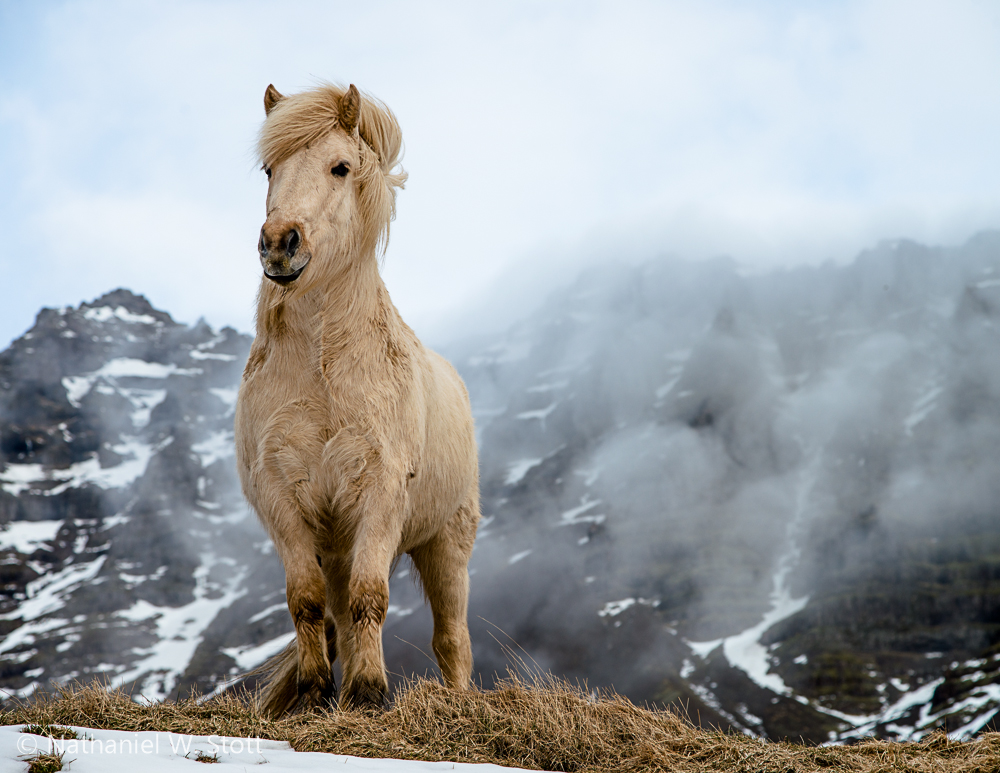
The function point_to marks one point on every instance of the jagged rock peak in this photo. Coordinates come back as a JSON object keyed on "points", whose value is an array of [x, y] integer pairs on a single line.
{"points": [[118, 310], [118, 306], [136, 305]]}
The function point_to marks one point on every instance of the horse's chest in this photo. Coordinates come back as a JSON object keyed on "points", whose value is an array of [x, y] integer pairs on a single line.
{"points": [[282, 396]]}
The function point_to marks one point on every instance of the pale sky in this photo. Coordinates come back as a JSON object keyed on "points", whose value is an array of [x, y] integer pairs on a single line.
{"points": [[539, 137]]}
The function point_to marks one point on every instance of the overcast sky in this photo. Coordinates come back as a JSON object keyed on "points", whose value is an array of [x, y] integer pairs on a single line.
{"points": [[539, 136]]}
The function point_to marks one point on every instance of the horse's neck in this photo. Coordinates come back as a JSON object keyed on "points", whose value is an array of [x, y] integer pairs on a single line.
{"points": [[352, 299], [345, 323], [365, 348]]}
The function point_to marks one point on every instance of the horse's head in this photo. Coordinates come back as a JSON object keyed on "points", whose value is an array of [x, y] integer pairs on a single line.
{"points": [[311, 195]]}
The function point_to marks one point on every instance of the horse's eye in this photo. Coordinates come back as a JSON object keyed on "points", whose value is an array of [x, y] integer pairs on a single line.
{"points": [[340, 170], [267, 171]]}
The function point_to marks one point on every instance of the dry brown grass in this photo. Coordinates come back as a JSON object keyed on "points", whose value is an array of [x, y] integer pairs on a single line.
{"points": [[45, 763], [52, 731], [545, 725]]}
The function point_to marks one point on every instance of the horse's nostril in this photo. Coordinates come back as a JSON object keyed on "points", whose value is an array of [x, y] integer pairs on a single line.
{"points": [[261, 244], [292, 242]]}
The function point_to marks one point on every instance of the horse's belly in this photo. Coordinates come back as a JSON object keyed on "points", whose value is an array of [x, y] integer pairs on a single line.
{"points": [[442, 487]]}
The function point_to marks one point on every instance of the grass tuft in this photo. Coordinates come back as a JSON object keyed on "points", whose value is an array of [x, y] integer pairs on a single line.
{"points": [[45, 763], [543, 724], [51, 731]]}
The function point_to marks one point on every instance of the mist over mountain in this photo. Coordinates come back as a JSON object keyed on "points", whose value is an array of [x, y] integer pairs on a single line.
{"points": [[772, 499]]}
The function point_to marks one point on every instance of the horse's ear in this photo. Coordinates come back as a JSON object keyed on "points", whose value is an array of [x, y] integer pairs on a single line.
{"points": [[271, 97], [350, 109]]}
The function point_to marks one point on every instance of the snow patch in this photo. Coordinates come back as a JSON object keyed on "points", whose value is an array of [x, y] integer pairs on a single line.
{"points": [[219, 445], [517, 470], [268, 612], [50, 592], [518, 556], [119, 751], [179, 629], [576, 515], [77, 387], [615, 608], [744, 650], [541, 414], [228, 396], [248, 657], [106, 314], [143, 402], [663, 390], [25, 635], [922, 408], [549, 387], [703, 648], [26, 536], [922, 697], [37, 480], [198, 355]]}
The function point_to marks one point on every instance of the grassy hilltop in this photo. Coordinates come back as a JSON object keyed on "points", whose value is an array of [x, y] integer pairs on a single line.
{"points": [[545, 725]]}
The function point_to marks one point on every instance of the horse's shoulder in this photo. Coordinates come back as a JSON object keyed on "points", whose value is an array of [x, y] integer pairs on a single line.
{"points": [[258, 354]]}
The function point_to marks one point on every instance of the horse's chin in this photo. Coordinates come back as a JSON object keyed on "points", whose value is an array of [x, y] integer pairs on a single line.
{"points": [[286, 279]]}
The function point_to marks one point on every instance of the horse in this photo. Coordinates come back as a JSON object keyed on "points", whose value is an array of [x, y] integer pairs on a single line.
{"points": [[355, 444]]}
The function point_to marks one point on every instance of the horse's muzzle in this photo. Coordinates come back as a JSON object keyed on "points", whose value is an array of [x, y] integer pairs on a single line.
{"points": [[282, 253]]}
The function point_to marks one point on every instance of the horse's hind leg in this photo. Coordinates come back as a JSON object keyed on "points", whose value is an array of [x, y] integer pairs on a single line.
{"points": [[443, 567], [338, 626]]}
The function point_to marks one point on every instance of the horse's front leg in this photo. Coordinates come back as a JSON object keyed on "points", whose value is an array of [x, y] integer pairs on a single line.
{"points": [[376, 542], [283, 483], [305, 590]]}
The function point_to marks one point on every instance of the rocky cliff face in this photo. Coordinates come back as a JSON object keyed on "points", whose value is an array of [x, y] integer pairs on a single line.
{"points": [[773, 499]]}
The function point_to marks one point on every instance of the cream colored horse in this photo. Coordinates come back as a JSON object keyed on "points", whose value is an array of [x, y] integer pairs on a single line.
{"points": [[354, 443]]}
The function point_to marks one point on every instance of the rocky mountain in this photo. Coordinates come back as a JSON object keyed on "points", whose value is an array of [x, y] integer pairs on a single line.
{"points": [[126, 542], [771, 499]]}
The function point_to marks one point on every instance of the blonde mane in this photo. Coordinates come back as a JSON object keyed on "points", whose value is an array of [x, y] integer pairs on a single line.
{"points": [[300, 119]]}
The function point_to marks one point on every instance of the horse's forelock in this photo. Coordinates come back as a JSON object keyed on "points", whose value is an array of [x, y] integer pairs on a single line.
{"points": [[301, 119]]}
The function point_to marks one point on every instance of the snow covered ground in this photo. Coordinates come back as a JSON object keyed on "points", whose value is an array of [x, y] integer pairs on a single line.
{"points": [[115, 751]]}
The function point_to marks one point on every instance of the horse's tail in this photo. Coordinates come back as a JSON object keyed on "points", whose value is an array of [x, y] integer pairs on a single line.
{"points": [[279, 674]]}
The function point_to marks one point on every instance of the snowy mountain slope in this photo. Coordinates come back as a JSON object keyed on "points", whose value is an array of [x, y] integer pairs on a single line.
{"points": [[772, 499]]}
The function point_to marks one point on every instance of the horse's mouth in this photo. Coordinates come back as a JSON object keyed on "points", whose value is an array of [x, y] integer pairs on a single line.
{"points": [[286, 278]]}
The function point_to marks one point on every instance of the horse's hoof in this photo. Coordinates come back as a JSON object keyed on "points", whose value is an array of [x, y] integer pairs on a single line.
{"points": [[364, 695], [316, 696]]}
